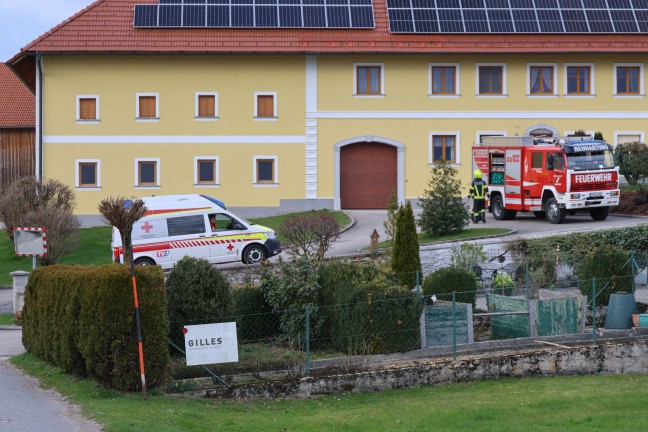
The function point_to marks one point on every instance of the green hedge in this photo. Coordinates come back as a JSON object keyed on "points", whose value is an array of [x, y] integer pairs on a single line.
{"points": [[82, 319]]}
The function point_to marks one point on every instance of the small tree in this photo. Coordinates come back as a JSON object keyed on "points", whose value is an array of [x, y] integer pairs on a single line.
{"points": [[406, 260], [115, 213], [444, 211], [633, 161], [47, 204], [467, 255], [390, 222], [310, 235]]}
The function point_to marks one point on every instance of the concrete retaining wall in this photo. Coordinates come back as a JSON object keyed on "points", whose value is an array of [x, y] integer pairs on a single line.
{"points": [[609, 359]]}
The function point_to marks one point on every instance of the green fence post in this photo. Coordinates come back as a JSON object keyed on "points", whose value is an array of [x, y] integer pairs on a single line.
{"points": [[594, 311], [454, 327], [418, 284], [526, 277], [632, 270], [307, 348]]}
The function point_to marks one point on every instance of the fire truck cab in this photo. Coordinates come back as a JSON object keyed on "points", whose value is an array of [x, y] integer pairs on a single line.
{"points": [[549, 178]]}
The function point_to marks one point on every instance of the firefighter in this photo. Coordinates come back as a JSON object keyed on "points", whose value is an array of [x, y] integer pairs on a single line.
{"points": [[478, 192]]}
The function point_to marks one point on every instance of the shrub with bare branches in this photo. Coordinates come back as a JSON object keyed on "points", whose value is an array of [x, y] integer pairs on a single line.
{"points": [[310, 235], [123, 218], [30, 202]]}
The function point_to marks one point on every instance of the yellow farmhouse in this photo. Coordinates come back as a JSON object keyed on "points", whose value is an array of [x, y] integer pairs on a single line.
{"points": [[283, 105]]}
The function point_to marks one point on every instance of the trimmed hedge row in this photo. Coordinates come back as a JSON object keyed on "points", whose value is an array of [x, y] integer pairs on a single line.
{"points": [[82, 320]]}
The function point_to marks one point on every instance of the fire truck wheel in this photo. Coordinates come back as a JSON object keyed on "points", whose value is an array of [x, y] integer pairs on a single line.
{"points": [[599, 213], [497, 207], [254, 254], [540, 214], [555, 214], [144, 262]]}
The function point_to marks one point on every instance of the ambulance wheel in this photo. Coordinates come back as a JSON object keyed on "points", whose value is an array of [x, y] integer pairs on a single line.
{"points": [[540, 214], [555, 214], [254, 254], [599, 213], [144, 262]]}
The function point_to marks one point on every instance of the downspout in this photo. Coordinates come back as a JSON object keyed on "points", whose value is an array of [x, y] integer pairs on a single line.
{"points": [[39, 117]]}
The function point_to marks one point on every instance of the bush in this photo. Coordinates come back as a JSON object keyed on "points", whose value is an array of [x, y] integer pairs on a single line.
{"points": [[467, 255], [406, 260], [30, 202], [612, 270], [444, 211], [446, 280], [81, 319], [198, 294], [254, 316], [310, 235], [370, 312], [633, 160]]}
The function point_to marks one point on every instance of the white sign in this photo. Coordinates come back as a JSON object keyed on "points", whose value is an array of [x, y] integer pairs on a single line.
{"points": [[30, 241], [211, 343]]}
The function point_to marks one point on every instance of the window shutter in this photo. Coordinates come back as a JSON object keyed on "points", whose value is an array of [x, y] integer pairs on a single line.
{"points": [[147, 107], [206, 106], [87, 109], [265, 106]]}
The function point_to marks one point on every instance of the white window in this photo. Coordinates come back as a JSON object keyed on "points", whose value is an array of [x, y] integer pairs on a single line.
{"points": [[443, 80], [206, 106], [147, 108], [87, 109], [147, 173], [628, 80], [625, 137], [542, 79], [87, 174], [572, 134], [265, 106], [444, 146], [481, 134], [369, 80], [265, 171], [579, 79], [206, 171], [491, 79]]}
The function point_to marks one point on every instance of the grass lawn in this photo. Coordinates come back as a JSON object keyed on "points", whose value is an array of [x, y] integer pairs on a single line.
{"points": [[566, 403], [6, 319], [275, 222]]}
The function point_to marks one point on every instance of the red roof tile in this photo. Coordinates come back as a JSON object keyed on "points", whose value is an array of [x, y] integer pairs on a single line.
{"points": [[17, 103], [106, 26]]}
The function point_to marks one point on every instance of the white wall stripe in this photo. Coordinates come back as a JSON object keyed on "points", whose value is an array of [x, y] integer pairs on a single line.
{"points": [[174, 139], [479, 115]]}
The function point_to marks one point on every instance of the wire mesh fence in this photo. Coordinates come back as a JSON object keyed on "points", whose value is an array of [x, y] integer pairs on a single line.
{"points": [[314, 339]]}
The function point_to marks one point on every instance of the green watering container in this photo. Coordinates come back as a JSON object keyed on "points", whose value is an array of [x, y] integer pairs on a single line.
{"points": [[620, 310]]}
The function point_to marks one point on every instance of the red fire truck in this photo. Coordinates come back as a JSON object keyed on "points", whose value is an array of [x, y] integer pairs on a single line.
{"points": [[548, 177]]}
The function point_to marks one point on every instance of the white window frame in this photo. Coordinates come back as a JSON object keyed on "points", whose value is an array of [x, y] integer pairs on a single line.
{"points": [[621, 133], [641, 93], [592, 80], [77, 174], [355, 80], [275, 168], [78, 109], [504, 74], [157, 173], [554, 78], [216, 160], [590, 133], [197, 110], [274, 101], [157, 108], [457, 92], [479, 134], [457, 135]]}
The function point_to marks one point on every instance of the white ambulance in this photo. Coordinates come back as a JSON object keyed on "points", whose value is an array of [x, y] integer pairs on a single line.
{"points": [[199, 226]]}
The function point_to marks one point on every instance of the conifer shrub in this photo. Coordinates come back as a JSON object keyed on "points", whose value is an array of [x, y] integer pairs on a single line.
{"points": [[198, 294], [82, 320], [406, 260], [446, 280], [613, 273]]}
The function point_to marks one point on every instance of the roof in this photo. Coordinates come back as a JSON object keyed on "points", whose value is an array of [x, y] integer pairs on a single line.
{"points": [[17, 102]]}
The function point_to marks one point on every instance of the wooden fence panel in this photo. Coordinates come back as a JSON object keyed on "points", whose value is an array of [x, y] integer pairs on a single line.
{"points": [[17, 154]]}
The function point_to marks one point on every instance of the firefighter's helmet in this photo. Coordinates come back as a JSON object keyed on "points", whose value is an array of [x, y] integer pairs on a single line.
{"points": [[478, 173]]}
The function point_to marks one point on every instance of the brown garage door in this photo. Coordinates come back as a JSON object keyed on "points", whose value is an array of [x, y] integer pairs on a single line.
{"points": [[367, 175]]}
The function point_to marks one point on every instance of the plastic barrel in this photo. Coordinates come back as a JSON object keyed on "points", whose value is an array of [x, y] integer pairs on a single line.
{"points": [[620, 310]]}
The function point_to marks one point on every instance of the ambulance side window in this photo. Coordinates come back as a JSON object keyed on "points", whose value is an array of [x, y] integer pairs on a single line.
{"points": [[186, 225], [536, 160], [221, 222]]}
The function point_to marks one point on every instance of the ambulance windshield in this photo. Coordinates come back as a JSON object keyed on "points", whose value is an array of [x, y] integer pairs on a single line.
{"points": [[590, 157]]}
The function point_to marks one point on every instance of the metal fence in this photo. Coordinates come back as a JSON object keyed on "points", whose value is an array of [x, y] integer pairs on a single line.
{"points": [[320, 340]]}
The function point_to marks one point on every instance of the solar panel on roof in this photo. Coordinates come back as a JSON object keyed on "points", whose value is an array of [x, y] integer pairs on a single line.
{"points": [[351, 14], [518, 16]]}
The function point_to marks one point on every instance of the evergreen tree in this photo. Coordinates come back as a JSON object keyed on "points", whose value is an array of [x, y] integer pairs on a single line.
{"points": [[406, 260], [444, 211], [390, 223]]}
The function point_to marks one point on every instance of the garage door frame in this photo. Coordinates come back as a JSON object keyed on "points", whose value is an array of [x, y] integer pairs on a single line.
{"points": [[400, 164]]}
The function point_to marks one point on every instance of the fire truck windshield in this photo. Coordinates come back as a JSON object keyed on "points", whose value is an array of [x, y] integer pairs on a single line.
{"points": [[590, 160]]}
